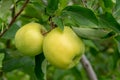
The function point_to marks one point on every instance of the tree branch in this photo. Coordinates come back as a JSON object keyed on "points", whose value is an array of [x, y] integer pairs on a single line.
{"points": [[44, 2], [14, 18], [88, 68], [84, 3]]}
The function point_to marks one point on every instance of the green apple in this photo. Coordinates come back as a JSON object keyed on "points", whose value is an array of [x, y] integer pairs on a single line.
{"points": [[63, 49], [29, 39]]}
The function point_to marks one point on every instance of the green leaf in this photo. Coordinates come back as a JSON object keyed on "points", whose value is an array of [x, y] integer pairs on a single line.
{"points": [[117, 3], [117, 38], [11, 32], [107, 5], [58, 21], [91, 44], [116, 11], [1, 58], [90, 33], [5, 6], [36, 7], [116, 57], [71, 74], [44, 68], [63, 4], [110, 21], [38, 69], [13, 60], [52, 6], [2, 45], [11, 63], [81, 16]]}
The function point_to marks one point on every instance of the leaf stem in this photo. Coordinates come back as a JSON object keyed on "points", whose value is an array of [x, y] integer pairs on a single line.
{"points": [[14, 18]]}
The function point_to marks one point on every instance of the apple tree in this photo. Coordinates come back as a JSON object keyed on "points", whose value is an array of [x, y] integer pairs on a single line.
{"points": [[92, 37]]}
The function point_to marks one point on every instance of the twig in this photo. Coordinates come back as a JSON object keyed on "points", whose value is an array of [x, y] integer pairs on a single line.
{"points": [[89, 70], [74, 1], [44, 2], [84, 3], [14, 18]]}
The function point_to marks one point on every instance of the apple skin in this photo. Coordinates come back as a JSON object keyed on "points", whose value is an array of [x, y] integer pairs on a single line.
{"points": [[63, 49], [29, 39]]}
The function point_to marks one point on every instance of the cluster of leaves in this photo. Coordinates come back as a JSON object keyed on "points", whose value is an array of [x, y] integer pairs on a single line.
{"points": [[96, 21]]}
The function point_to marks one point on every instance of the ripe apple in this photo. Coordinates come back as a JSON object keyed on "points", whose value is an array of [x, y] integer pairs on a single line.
{"points": [[29, 39], [63, 49]]}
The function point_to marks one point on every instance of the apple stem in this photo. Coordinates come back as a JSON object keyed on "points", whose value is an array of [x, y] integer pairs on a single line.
{"points": [[51, 28], [88, 68], [44, 33]]}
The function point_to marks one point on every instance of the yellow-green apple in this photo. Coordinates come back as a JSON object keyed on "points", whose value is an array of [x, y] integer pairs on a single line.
{"points": [[63, 49], [29, 39]]}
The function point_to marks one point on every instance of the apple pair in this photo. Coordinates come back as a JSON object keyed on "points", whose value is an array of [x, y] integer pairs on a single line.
{"points": [[62, 48]]}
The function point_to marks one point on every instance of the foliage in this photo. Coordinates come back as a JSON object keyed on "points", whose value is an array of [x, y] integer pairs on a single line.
{"points": [[96, 21]]}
